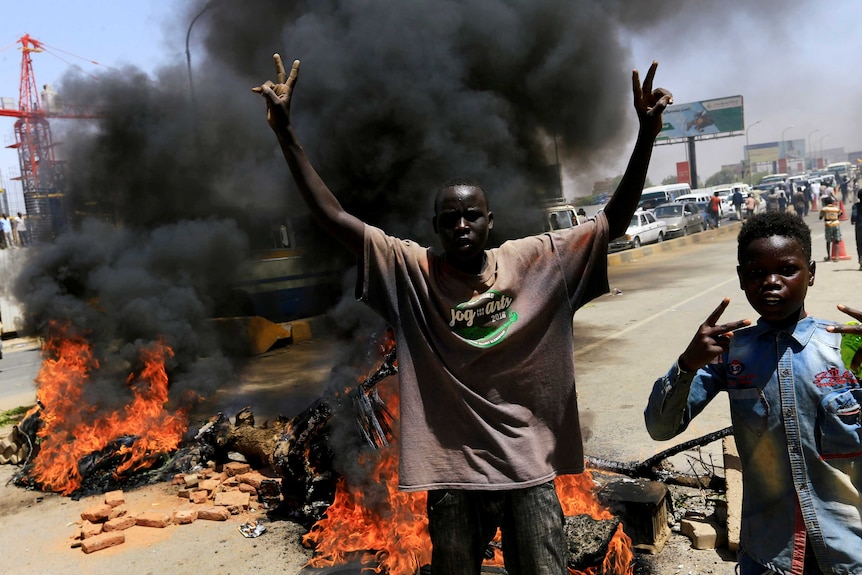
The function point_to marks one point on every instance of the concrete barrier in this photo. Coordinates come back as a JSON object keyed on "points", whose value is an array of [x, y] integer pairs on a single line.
{"points": [[635, 254]]}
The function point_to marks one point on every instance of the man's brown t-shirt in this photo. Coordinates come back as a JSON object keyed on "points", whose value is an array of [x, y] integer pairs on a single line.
{"points": [[486, 362]]}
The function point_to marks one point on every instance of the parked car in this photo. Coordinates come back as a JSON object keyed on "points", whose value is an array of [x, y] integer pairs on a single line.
{"points": [[644, 228], [682, 218]]}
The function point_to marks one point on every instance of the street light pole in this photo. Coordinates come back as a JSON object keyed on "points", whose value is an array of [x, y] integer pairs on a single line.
{"points": [[810, 152], [820, 157], [747, 152], [783, 150], [189, 64]]}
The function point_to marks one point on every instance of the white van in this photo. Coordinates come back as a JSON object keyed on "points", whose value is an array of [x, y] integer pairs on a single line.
{"points": [[841, 170], [696, 196], [657, 195]]}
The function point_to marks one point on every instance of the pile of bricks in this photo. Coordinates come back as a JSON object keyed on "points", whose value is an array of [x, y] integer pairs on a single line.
{"points": [[209, 495], [14, 448]]}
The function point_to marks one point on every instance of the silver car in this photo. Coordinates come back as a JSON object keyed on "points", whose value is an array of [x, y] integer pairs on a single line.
{"points": [[682, 218], [644, 228]]}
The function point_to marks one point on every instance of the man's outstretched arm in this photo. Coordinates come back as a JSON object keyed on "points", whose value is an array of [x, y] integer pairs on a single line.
{"points": [[324, 206], [649, 104]]}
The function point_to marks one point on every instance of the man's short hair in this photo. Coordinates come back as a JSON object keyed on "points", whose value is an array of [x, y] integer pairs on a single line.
{"points": [[768, 224], [456, 182]]}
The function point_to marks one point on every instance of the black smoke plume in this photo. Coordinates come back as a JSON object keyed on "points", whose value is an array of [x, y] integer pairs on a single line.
{"points": [[393, 99]]}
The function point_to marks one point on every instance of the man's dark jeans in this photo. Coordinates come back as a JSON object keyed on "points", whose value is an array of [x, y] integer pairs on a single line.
{"points": [[462, 523]]}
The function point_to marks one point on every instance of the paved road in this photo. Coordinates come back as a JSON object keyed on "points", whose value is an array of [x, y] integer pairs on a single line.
{"points": [[18, 370], [624, 341]]}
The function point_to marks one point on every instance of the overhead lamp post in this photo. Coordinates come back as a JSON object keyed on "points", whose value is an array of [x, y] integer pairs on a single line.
{"points": [[821, 148], [747, 152], [189, 64], [810, 152], [783, 151]]}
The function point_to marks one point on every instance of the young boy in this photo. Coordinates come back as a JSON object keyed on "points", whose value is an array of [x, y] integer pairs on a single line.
{"points": [[795, 408]]}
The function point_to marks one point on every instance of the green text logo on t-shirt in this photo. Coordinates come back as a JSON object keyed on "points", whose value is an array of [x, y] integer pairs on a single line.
{"points": [[484, 321]]}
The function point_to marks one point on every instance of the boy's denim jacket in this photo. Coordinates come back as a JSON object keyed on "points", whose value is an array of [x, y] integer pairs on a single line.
{"points": [[795, 410]]}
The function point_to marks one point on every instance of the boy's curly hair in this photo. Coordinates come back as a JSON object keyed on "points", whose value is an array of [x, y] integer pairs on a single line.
{"points": [[766, 224]]}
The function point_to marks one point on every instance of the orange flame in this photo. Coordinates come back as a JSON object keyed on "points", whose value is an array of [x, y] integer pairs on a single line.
{"points": [[577, 495], [72, 428], [391, 535]]}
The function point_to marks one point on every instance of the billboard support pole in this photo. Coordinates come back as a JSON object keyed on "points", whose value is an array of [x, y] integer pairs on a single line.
{"points": [[692, 161]]}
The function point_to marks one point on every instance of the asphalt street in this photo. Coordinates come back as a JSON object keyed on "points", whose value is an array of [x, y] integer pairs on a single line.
{"points": [[627, 339], [624, 341]]}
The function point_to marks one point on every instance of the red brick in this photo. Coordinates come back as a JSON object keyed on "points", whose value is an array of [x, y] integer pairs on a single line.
{"points": [[90, 529], [200, 496], [185, 516], [103, 541], [209, 484], [120, 523], [232, 498], [253, 478], [236, 468], [191, 480], [246, 488], [115, 498], [118, 511], [214, 514], [153, 519], [97, 514]]}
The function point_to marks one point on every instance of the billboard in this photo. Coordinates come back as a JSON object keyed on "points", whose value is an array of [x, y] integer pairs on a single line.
{"points": [[787, 150], [683, 174], [760, 153], [705, 118]]}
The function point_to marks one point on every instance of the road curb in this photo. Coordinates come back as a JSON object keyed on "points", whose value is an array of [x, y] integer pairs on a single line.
{"points": [[635, 254]]}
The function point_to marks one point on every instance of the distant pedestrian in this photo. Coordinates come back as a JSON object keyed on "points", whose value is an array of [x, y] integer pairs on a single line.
{"points": [[799, 202], [750, 205], [856, 220], [23, 232], [581, 215], [15, 239], [804, 187], [772, 200], [782, 198], [6, 229], [737, 200], [844, 186], [713, 210], [830, 213]]}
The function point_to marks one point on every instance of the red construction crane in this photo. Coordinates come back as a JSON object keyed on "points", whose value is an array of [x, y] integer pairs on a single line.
{"points": [[42, 176]]}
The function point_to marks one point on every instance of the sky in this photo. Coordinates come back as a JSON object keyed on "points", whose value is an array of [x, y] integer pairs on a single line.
{"points": [[796, 64]]}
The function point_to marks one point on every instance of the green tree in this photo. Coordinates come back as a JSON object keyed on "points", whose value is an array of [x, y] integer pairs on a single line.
{"points": [[725, 176], [671, 179]]}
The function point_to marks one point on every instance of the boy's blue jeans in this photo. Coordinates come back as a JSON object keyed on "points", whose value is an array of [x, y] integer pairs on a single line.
{"points": [[748, 566], [462, 523]]}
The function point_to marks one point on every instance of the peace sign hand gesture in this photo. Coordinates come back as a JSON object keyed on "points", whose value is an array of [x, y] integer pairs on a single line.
{"points": [[278, 94], [649, 102], [711, 340]]}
